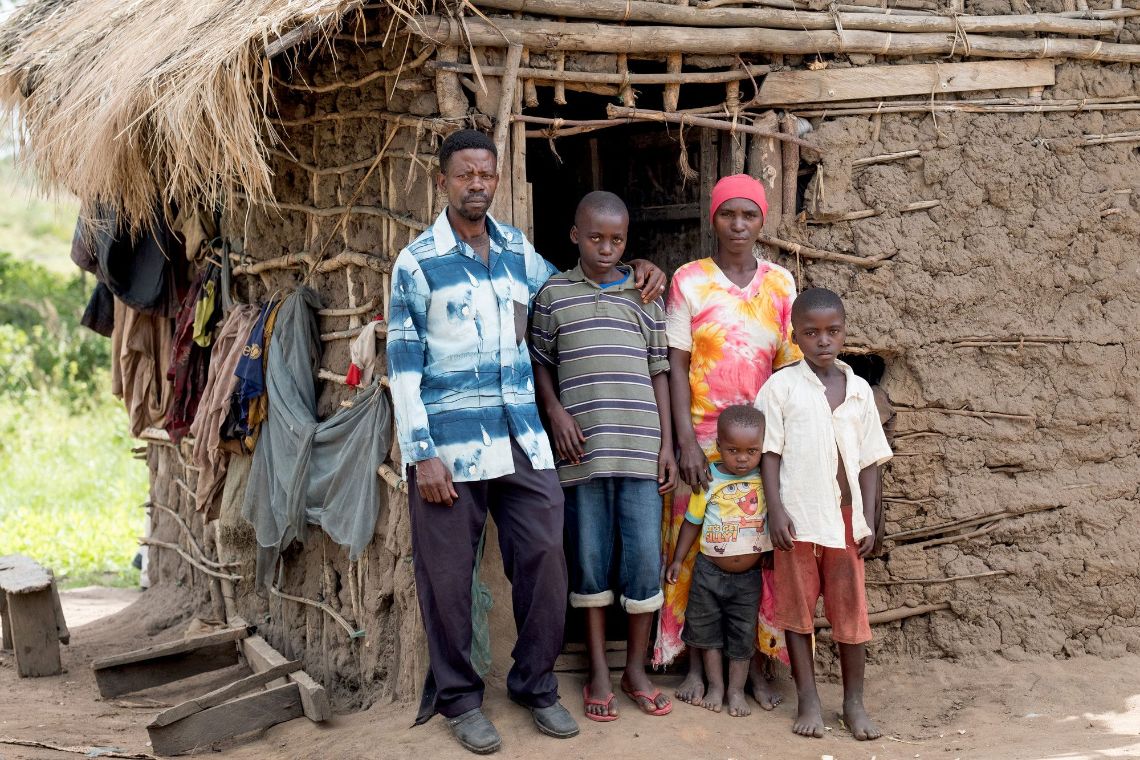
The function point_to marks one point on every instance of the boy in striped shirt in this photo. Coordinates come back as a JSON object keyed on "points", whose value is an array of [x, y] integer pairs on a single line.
{"points": [[609, 425]]}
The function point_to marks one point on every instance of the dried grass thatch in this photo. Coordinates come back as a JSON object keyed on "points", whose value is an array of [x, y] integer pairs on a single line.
{"points": [[127, 101]]}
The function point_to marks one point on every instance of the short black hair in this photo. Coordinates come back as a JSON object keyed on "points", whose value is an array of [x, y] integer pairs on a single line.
{"points": [[740, 416], [817, 299], [603, 201], [464, 139]]}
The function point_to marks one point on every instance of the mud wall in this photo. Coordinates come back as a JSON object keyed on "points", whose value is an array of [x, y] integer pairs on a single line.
{"points": [[1035, 237]]}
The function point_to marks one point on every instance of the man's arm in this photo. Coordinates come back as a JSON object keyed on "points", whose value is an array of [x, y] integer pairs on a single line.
{"points": [[693, 465], [407, 341]]}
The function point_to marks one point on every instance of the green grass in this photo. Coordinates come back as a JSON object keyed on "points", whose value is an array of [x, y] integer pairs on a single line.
{"points": [[69, 488]]}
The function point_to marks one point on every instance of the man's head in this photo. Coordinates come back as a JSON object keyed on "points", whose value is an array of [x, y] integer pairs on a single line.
{"points": [[819, 326], [601, 227], [740, 438], [468, 173]]}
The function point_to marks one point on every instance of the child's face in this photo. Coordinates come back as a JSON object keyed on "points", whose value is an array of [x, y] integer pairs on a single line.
{"points": [[820, 334], [600, 237], [740, 448]]}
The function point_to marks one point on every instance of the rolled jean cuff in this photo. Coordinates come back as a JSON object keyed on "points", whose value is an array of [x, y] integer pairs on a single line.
{"points": [[600, 599], [638, 607]]}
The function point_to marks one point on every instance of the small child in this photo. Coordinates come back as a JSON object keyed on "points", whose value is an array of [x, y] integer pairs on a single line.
{"points": [[731, 520], [822, 450], [609, 423]]}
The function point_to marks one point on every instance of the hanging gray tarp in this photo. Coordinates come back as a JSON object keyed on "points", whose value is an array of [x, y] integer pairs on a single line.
{"points": [[305, 470]]}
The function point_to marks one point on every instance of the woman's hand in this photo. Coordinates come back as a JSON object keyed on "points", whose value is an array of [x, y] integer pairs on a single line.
{"points": [[694, 466]]}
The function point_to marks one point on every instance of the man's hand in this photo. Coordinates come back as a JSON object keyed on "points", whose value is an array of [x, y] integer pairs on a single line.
{"points": [[433, 481], [569, 443], [694, 466], [866, 546], [780, 529], [666, 471], [648, 278], [673, 573]]}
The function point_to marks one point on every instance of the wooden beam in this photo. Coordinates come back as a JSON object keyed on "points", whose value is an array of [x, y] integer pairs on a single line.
{"points": [[255, 712], [314, 699], [506, 101], [223, 694], [708, 172], [827, 85], [765, 163], [188, 644], [674, 76], [35, 636], [5, 623], [22, 575], [164, 663]]}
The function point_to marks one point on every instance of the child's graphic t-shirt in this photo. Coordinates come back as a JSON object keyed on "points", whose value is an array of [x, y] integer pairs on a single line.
{"points": [[732, 514]]}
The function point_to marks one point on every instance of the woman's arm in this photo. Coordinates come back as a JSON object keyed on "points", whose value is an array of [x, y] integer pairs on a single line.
{"points": [[692, 463]]}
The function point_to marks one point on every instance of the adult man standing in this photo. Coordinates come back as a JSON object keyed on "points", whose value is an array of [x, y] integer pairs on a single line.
{"points": [[472, 441]]}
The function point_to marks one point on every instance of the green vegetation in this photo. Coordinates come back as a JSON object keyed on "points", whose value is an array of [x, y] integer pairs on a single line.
{"points": [[69, 488]]}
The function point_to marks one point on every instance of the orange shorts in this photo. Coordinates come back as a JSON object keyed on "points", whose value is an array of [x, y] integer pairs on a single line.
{"points": [[809, 570]]}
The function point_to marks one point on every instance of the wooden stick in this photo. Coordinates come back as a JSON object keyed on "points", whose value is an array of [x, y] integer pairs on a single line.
{"points": [[868, 262], [672, 96], [620, 112], [354, 312], [964, 522], [353, 633], [392, 478], [671, 77], [965, 106], [931, 581], [559, 85], [870, 212], [872, 19], [189, 559], [967, 413], [303, 208], [790, 161], [530, 92], [884, 157], [87, 751], [415, 63], [304, 258], [190, 537], [351, 332], [1106, 139], [890, 616], [332, 377], [657, 40], [508, 82], [987, 528], [425, 158], [448, 91]]}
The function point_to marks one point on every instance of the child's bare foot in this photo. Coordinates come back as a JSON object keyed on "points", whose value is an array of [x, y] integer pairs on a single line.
{"points": [[714, 699], [809, 717], [692, 689], [738, 704], [858, 722], [763, 690]]}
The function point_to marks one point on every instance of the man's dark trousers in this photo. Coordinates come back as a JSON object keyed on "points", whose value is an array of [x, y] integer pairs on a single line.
{"points": [[527, 507]]}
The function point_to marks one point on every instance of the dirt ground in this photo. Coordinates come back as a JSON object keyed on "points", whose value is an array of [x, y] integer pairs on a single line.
{"points": [[1083, 707]]}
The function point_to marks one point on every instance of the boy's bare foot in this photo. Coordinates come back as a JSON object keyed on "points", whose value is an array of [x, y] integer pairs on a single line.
{"points": [[763, 690], [599, 699], [738, 704], [714, 699], [692, 689], [809, 717], [858, 722]]}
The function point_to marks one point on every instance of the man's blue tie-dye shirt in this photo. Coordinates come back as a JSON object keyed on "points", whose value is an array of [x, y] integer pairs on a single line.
{"points": [[458, 364]]}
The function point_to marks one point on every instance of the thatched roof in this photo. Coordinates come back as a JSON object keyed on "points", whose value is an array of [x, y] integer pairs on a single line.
{"points": [[126, 101]]}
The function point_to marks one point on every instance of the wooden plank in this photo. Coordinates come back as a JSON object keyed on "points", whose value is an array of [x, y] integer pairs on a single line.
{"points": [[223, 694], [765, 163], [577, 662], [254, 712], [60, 622], [35, 637], [187, 644], [828, 85], [261, 656], [22, 575], [577, 647], [708, 172], [5, 623], [116, 680]]}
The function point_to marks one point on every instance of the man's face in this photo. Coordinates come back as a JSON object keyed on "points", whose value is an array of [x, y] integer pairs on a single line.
{"points": [[469, 181], [820, 334]]}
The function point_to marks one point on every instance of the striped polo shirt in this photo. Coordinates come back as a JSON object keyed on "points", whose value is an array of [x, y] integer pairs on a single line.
{"points": [[604, 345]]}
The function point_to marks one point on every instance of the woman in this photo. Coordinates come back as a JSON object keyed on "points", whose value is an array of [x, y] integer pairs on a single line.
{"points": [[729, 327]]}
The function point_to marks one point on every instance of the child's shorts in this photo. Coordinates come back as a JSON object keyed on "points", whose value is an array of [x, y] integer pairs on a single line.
{"points": [[809, 570], [721, 613], [597, 512]]}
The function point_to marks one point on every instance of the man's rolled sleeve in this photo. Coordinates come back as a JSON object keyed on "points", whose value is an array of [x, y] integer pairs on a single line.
{"points": [[407, 343], [873, 446]]}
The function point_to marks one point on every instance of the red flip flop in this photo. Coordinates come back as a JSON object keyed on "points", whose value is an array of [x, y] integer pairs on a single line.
{"points": [[588, 701], [651, 699]]}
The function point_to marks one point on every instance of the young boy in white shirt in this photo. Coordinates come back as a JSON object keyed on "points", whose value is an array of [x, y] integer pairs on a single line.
{"points": [[823, 445]]}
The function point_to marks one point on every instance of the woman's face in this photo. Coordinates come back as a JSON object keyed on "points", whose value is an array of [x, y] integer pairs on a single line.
{"points": [[737, 224]]}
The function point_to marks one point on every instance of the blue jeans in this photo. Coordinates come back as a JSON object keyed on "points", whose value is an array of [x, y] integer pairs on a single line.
{"points": [[597, 513]]}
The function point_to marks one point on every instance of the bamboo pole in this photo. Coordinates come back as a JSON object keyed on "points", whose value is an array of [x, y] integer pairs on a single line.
{"points": [[640, 114], [868, 19], [658, 40], [671, 77], [507, 85]]}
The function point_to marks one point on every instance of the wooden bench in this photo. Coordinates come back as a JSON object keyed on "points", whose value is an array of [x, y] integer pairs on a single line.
{"points": [[31, 616]]}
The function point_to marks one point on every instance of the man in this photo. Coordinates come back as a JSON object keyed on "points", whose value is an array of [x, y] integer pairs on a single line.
{"points": [[472, 441]]}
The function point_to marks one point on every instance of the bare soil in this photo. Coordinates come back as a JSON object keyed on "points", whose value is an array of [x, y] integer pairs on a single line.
{"points": [[1084, 707]]}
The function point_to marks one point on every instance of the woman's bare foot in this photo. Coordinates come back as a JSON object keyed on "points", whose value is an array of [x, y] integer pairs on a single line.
{"points": [[738, 704], [858, 722], [598, 689], [809, 717], [714, 699], [763, 690], [692, 689]]}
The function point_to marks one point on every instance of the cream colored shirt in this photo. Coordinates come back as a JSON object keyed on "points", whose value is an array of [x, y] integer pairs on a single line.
{"points": [[801, 427]]}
